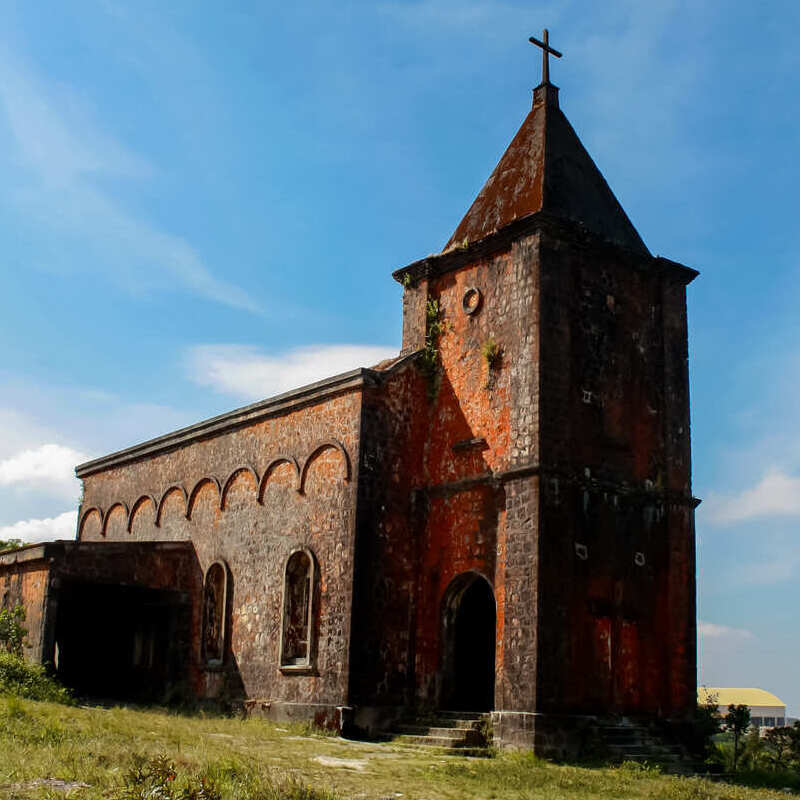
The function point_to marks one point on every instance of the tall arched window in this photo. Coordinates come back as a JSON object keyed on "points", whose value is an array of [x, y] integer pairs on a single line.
{"points": [[298, 602], [215, 595]]}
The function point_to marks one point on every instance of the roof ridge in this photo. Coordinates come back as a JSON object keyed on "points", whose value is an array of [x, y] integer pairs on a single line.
{"points": [[547, 168]]}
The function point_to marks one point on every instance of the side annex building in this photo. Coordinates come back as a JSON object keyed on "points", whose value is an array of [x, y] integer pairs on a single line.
{"points": [[498, 520]]}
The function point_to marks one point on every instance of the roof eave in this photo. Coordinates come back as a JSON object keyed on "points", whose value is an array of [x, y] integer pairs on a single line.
{"points": [[502, 239], [279, 404]]}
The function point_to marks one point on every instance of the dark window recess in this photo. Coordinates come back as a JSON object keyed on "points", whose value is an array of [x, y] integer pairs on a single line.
{"points": [[298, 598], [214, 595]]}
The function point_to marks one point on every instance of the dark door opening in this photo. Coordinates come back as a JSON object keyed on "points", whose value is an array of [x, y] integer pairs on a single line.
{"points": [[122, 642], [469, 645]]}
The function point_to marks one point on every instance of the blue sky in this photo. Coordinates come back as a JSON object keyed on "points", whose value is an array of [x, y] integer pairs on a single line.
{"points": [[202, 207]]}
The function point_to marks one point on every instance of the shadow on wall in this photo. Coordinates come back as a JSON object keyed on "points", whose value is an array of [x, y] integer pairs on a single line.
{"points": [[144, 630]]}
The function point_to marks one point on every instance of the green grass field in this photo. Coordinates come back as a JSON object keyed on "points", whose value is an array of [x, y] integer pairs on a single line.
{"points": [[233, 758]]}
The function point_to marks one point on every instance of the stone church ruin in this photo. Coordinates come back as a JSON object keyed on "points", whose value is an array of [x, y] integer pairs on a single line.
{"points": [[499, 520]]}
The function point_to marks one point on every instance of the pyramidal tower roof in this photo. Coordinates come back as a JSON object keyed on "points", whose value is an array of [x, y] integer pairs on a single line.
{"points": [[547, 169]]}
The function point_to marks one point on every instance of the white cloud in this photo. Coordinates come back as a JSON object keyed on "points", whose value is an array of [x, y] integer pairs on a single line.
{"points": [[775, 495], [68, 157], [49, 466], [64, 526], [709, 630], [248, 373]]}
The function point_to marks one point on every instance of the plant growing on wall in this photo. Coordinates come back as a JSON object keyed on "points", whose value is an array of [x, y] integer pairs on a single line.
{"points": [[429, 360], [407, 281], [492, 353]]}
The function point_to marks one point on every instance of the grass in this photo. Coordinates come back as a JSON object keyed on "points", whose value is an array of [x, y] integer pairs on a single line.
{"points": [[226, 758]]}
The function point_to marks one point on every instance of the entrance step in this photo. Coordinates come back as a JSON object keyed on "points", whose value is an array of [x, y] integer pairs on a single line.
{"points": [[643, 743], [453, 732]]}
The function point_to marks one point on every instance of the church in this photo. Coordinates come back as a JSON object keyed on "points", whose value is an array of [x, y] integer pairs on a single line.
{"points": [[500, 520]]}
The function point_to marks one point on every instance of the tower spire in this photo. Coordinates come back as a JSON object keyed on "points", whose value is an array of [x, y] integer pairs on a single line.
{"points": [[547, 51]]}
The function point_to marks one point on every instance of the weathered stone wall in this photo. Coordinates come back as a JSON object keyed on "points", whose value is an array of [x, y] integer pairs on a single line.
{"points": [[36, 576], [480, 517], [26, 583], [394, 430], [249, 497], [432, 506], [617, 545], [569, 487]]}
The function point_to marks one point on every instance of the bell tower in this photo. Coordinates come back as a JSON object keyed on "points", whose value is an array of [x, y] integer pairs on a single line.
{"points": [[559, 419]]}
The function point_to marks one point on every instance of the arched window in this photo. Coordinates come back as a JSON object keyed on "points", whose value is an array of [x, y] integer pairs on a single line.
{"points": [[298, 601], [215, 596]]}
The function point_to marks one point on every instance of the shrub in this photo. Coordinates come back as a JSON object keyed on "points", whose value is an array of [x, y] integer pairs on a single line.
{"points": [[12, 631], [31, 681]]}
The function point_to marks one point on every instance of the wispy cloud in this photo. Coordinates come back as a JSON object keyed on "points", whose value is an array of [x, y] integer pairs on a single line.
{"points": [[250, 374], [709, 630], [775, 495], [63, 526], [50, 467], [66, 156]]}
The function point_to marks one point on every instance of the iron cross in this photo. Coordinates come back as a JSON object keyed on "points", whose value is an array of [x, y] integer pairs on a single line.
{"points": [[546, 51]]}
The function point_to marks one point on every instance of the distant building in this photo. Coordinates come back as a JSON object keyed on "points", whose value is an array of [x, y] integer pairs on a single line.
{"points": [[766, 710]]}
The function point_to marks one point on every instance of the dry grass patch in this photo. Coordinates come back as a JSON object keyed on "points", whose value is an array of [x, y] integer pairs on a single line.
{"points": [[219, 758]]}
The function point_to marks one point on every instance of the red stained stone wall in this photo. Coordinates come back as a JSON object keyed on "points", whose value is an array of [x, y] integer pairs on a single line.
{"points": [[617, 619], [575, 444], [430, 505]]}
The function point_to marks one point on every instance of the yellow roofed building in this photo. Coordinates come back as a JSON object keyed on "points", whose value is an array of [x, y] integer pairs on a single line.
{"points": [[766, 710]]}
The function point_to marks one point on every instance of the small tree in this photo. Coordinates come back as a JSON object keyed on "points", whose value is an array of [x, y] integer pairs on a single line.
{"points": [[753, 748], [795, 739], [737, 721], [9, 544], [704, 727], [12, 631], [780, 746]]}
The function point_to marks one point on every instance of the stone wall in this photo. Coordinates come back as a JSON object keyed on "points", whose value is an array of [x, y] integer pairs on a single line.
{"points": [[41, 578], [561, 471], [249, 497], [25, 581], [617, 544]]}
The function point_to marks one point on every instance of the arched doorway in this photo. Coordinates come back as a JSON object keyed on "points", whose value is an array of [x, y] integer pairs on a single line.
{"points": [[468, 639]]}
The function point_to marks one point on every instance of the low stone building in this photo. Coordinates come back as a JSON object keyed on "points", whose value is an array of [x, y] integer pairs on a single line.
{"points": [[500, 519]]}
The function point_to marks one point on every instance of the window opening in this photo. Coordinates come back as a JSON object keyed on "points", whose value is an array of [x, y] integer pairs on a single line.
{"points": [[214, 597], [297, 611]]}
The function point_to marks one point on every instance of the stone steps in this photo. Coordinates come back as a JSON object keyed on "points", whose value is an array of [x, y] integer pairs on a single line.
{"points": [[453, 732], [643, 744]]}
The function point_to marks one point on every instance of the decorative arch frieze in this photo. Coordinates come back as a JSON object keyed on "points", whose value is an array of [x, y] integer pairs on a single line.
{"points": [[137, 505], [320, 447], [189, 497], [176, 487], [125, 510], [208, 479], [276, 462], [227, 485], [86, 514]]}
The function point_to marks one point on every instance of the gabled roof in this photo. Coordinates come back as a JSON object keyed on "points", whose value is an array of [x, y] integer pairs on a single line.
{"points": [[546, 168], [745, 697]]}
